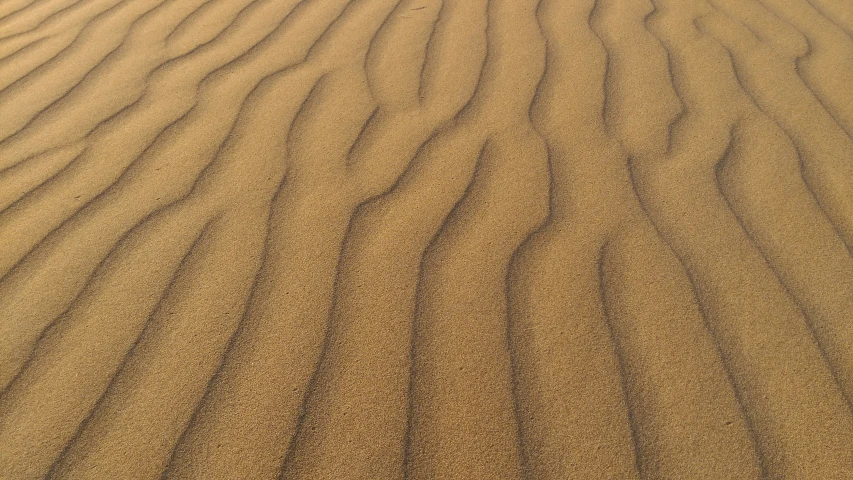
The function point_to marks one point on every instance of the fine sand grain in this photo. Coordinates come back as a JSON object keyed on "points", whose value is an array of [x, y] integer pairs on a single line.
{"points": [[426, 239]]}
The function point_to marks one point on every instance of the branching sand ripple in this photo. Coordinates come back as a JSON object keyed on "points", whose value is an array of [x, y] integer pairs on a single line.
{"points": [[426, 239]]}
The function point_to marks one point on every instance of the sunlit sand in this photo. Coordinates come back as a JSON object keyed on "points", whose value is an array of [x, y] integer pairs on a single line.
{"points": [[426, 239]]}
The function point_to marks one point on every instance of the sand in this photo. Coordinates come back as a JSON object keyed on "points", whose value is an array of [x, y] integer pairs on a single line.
{"points": [[426, 239]]}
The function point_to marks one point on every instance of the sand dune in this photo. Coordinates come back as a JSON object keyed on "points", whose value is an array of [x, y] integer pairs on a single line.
{"points": [[426, 239]]}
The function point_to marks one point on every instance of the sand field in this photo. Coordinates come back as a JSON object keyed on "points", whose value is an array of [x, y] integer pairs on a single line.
{"points": [[426, 239]]}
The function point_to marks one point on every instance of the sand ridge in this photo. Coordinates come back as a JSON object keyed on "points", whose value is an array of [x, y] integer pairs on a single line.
{"points": [[311, 239]]}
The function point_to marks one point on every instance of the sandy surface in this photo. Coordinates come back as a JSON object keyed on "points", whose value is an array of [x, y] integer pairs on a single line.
{"points": [[426, 239]]}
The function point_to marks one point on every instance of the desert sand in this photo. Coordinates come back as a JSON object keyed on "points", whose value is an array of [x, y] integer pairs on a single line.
{"points": [[426, 239]]}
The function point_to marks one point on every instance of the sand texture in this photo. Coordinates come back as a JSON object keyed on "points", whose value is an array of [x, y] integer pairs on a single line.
{"points": [[426, 239]]}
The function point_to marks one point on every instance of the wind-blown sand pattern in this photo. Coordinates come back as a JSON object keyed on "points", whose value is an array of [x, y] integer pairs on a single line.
{"points": [[426, 239]]}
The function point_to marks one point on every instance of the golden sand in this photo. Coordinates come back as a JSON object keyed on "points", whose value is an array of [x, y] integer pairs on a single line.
{"points": [[426, 239]]}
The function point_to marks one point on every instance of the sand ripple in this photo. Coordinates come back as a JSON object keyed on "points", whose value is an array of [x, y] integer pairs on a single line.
{"points": [[426, 239]]}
